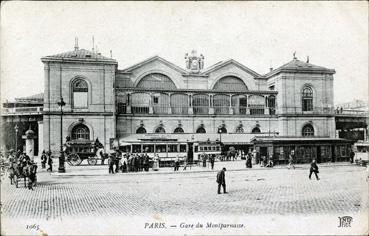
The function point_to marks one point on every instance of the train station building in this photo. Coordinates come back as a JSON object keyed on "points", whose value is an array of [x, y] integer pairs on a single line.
{"points": [[289, 108], [156, 99]]}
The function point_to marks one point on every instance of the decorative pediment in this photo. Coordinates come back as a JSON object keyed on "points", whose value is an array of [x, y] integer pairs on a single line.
{"points": [[231, 62], [153, 60]]}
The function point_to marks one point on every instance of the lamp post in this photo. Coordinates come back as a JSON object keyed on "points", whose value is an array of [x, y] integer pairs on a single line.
{"points": [[61, 168], [16, 137], [220, 134]]}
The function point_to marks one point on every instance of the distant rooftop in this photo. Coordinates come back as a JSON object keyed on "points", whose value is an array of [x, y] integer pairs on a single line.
{"points": [[299, 66]]}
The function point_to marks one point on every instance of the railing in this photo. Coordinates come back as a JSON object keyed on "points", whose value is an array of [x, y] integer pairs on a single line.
{"points": [[180, 110], [221, 110], [205, 110], [22, 110], [201, 110], [140, 110], [350, 112]]}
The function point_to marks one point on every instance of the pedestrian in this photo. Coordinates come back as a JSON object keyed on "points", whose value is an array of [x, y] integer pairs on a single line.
{"points": [[117, 160], [352, 155], [212, 160], [204, 157], [32, 168], [248, 160], [176, 163], [291, 160], [146, 162], [49, 162], [314, 169], [124, 163], [221, 180], [43, 159], [111, 163]]}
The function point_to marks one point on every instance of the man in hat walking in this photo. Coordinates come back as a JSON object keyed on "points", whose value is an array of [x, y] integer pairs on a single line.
{"points": [[221, 180]]}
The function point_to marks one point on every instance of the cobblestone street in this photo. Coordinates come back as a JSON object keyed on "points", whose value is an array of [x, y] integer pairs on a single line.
{"points": [[258, 191]]}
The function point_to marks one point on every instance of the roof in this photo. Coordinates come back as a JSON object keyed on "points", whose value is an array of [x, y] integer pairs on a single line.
{"points": [[150, 59], [227, 62], [80, 54], [290, 139], [38, 96], [300, 67], [227, 138]]}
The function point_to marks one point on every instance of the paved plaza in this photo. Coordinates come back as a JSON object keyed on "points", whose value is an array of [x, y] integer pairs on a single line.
{"points": [[89, 191]]}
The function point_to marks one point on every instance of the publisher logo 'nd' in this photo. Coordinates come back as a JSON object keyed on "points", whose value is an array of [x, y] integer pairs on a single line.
{"points": [[345, 221]]}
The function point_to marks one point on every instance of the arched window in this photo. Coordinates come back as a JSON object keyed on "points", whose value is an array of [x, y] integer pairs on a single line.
{"points": [[178, 130], [308, 130], [222, 130], [230, 83], [239, 129], [80, 131], [141, 130], [156, 81], [160, 130], [80, 93], [307, 99], [201, 130], [256, 130]]}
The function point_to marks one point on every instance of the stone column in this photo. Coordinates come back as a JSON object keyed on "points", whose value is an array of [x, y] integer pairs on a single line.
{"points": [[211, 104], [266, 109], [129, 108], [230, 104], [190, 107], [151, 108], [170, 106], [40, 137], [30, 144], [248, 108]]}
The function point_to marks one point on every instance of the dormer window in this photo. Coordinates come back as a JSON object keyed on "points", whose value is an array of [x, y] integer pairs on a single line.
{"points": [[80, 93]]}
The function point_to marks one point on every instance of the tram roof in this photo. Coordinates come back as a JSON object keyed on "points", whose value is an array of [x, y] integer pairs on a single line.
{"points": [[227, 138]]}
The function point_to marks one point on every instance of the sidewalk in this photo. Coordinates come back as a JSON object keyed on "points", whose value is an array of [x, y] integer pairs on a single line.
{"points": [[102, 170]]}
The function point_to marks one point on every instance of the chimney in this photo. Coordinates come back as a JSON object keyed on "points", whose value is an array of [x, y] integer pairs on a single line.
{"points": [[76, 44], [271, 68]]}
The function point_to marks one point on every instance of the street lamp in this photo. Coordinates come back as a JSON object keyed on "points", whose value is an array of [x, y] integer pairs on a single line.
{"points": [[16, 137], [61, 168], [220, 134]]}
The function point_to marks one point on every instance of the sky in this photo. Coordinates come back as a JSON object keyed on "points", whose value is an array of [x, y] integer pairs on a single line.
{"points": [[257, 34]]}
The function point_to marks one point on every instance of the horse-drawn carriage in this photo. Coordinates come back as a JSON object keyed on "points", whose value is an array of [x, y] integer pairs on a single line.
{"points": [[23, 172], [78, 150]]}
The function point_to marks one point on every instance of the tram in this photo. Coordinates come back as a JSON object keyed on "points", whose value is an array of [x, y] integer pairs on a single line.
{"points": [[361, 150], [168, 150]]}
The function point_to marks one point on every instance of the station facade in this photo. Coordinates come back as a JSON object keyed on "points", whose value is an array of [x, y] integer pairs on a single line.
{"points": [[226, 102]]}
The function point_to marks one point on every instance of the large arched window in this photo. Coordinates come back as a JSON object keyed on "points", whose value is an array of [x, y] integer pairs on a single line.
{"points": [[80, 131], [256, 130], [156, 81], [178, 130], [230, 83], [308, 130], [307, 99], [80, 93], [141, 130], [201, 130], [160, 130]]}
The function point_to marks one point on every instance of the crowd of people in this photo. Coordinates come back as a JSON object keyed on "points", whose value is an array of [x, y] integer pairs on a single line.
{"points": [[129, 162]]}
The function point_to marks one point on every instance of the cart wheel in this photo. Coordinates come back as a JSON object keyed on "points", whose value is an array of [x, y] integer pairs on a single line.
{"points": [[74, 159], [92, 161]]}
